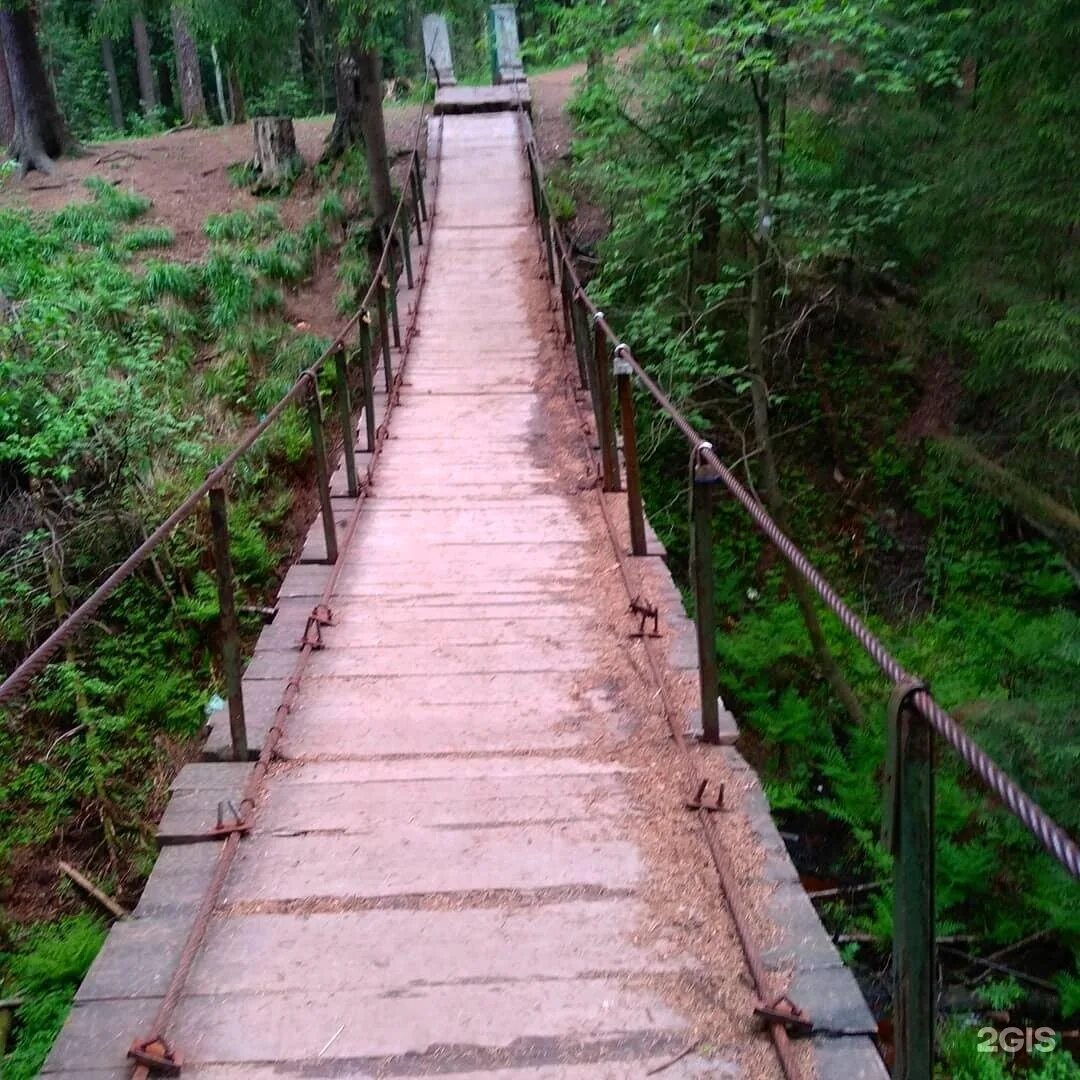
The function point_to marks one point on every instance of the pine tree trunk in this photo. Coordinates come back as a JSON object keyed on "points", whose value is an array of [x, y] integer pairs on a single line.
{"points": [[374, 129], [144, 62], [39, 135], [318, 50], [237, 103], [7, 106], [219, 82], [359, 119], [188, 74], [759, 391], [108, 62]]}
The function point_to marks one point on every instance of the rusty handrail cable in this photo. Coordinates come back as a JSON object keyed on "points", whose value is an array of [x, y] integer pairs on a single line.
{"points": [[1043, 827], [38, 660]]}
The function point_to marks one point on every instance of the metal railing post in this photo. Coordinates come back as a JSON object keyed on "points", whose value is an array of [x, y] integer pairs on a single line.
{"points": [[406, 251], [636, 509], [703, 485], [367, 371], [909, 835], [579, 318], [601, 392], [384, 333], [391, 288], [322, 469], [418, 223], [564, 297], [348, 431], [534, 184], [230, 626], [545, 233], [418, 188]]}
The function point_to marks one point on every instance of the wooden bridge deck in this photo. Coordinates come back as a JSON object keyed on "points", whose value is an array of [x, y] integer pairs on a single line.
{"points": [[472, 859]]}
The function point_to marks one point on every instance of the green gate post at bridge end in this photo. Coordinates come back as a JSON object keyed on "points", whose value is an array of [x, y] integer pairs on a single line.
{"points": [[909, 834]]}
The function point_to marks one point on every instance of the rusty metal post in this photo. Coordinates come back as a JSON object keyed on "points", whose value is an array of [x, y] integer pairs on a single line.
{"points": [[230, 626], [564, 297], [602, 403], [366, 369], [322, 470], [384, 334], [406, 251], [348, 430], [534, 185], [703, 486], [418, 223], [545, 235], [583, 345], [391, 287], [623, 378], [418, 188], [909, 835]]}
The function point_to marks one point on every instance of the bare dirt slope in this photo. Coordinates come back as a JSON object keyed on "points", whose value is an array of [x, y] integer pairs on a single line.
{"points": [[185, 174]]}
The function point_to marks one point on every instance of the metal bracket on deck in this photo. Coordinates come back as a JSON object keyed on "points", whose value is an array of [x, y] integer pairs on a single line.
{"points": [[223, 828], [645, 611], [319, 618], [699, 802], [784, 1011], [157, 1056]]}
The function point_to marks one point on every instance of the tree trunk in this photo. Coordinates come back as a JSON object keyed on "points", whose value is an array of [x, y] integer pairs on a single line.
{"points": [[7, 106], [38, 134], [219, 82], [144, 62], [108, 62], [276, 157], [359, 118], [759, 390], [1061, 524], [237, 104], [318, 50], [188, 75]]}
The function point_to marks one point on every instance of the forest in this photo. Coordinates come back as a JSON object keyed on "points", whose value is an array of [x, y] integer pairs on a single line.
{"points": [[842, 236]]}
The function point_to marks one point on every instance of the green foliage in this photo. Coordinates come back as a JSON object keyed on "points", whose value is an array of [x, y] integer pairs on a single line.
{"points": [[120, 387], [814, 138], [152, 236], [45, 969]]}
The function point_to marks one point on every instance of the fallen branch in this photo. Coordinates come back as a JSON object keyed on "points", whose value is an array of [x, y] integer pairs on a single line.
{"points": [[674, 1061], [1034, 980], [84, 883], [845, 890]]}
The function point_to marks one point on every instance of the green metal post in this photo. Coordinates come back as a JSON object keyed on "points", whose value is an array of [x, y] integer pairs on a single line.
{"points": [[703, 487], [623, 379], [564, 297], [391, 292], [545, 234], [418, 223], [420, 197], [230, 626], [366, 368], [322, 470], [348, 431], [582, 339], [493, 48], [406, 251], [909, 833], [384, 334], [602, 404]]}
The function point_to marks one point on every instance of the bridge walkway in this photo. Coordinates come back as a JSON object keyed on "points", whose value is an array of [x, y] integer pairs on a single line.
{"points": [[472, 857]]}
